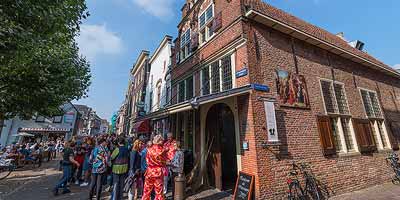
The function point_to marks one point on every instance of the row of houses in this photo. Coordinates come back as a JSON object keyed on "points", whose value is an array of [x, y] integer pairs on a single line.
{"points": [[248, 87], [75, 120]]}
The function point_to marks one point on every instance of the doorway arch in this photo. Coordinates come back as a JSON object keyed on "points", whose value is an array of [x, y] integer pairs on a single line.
{"points": [[221, 140]]}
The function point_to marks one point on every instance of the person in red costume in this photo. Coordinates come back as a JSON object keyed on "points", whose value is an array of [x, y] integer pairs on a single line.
{"points": [[156, 159], [169, 146]]}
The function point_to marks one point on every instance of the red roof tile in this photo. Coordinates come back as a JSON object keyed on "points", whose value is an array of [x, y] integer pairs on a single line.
{"points": [[310, 29]]}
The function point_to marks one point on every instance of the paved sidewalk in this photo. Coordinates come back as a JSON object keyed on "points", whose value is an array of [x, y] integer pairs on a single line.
{"points": [[387, 191]]}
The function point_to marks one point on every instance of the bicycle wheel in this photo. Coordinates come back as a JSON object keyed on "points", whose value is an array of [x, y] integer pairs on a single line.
{"points": [[312, 190], [5, 171], [295, 192]]}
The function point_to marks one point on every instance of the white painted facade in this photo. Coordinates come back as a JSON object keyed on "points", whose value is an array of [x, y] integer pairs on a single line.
{"points": [[12, 127], [158, 89]]}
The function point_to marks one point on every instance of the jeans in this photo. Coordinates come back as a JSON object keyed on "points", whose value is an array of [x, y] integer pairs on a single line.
{"points": [[96, 182], [66, 176], [118, 186]]}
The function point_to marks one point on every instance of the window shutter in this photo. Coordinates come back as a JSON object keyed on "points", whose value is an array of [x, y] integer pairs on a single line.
{"points": [[365, 138], [326, 135], [217, 22]]}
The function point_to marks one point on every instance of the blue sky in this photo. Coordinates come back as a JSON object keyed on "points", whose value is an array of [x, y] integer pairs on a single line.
{"points": [[117, 30]]}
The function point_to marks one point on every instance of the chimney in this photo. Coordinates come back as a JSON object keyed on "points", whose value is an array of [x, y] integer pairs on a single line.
{"points": [[341, 36]]}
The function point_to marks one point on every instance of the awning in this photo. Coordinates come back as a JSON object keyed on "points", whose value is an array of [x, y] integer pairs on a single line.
{"points": [[184, 106], [44, 130], [24, 134], [142, 126]]}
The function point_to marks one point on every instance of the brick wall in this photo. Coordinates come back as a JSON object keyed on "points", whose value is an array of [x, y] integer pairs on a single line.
{"points": [[269, 50]]}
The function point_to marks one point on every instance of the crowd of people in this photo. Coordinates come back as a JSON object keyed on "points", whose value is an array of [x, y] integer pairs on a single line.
{"points": [[31, 151], [142, 168]]}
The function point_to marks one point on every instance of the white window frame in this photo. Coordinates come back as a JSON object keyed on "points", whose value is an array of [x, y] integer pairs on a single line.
{"points": [[339, 116], [375, 120], [233, 70], [206, 27], [187, 53], [334, 95]]}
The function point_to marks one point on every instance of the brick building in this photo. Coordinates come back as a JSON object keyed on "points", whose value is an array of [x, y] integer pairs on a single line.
{"points": [[136, 94], [254, 89]]}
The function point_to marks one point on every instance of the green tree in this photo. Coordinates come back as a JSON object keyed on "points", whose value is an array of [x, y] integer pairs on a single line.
{"points": [[40, 67]]}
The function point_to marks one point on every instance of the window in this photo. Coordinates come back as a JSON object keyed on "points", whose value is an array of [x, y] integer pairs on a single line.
{"points": [[167, 96], [185, 45], [189, 88], [205, 81], [226, 73], [336, 107], [374, 113], [57, 119], [158, 95], [185, 89], [205, 24], [215, 77], [39, 119], [181, 91]]}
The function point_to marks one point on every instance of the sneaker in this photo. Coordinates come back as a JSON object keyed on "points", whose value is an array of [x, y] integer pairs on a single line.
{"points": [[76, 182], [66, 191], [55, 192], [84, 184]]}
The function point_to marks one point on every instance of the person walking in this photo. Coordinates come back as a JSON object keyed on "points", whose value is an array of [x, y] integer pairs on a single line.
{"points": [[156, 159], [176, 164], [100, 158], [135, 174], [169, 146], [120, 162], [68, 160]]}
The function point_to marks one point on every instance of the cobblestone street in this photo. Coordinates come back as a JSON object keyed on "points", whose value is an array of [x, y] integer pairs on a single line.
{"points": [[36, 184]]}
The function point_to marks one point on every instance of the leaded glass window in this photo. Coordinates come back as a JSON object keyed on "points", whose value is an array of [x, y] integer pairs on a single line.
{"points": [[215, 77], [205, 81], [226, 73]]}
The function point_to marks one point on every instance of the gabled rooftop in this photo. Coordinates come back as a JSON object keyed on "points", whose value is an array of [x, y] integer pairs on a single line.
{"points": [[300, 29]]}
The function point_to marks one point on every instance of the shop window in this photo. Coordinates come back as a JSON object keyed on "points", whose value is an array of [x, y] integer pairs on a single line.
{"points": [[337, 109], [226, 73]]}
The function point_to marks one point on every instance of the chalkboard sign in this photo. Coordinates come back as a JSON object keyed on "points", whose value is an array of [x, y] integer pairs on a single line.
{"points": [[244, 187]]}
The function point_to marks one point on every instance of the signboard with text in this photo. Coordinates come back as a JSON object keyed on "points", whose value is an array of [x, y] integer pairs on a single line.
{"points": [[244, 187]]}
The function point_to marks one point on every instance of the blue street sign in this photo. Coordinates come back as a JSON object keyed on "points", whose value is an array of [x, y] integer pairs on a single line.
{"points": [[241, 73], [260, 87]]}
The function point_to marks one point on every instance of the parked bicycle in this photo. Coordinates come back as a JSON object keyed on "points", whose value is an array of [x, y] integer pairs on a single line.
{"points": [[393, 161], [296, 191], [6, 167]]}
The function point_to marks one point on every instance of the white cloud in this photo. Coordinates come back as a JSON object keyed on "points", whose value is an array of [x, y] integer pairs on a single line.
{"points": [[162, 9], [95, 40], [396, 66]]}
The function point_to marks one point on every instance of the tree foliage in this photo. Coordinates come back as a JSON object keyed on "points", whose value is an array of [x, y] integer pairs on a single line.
{"points": [[40, 67]]}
